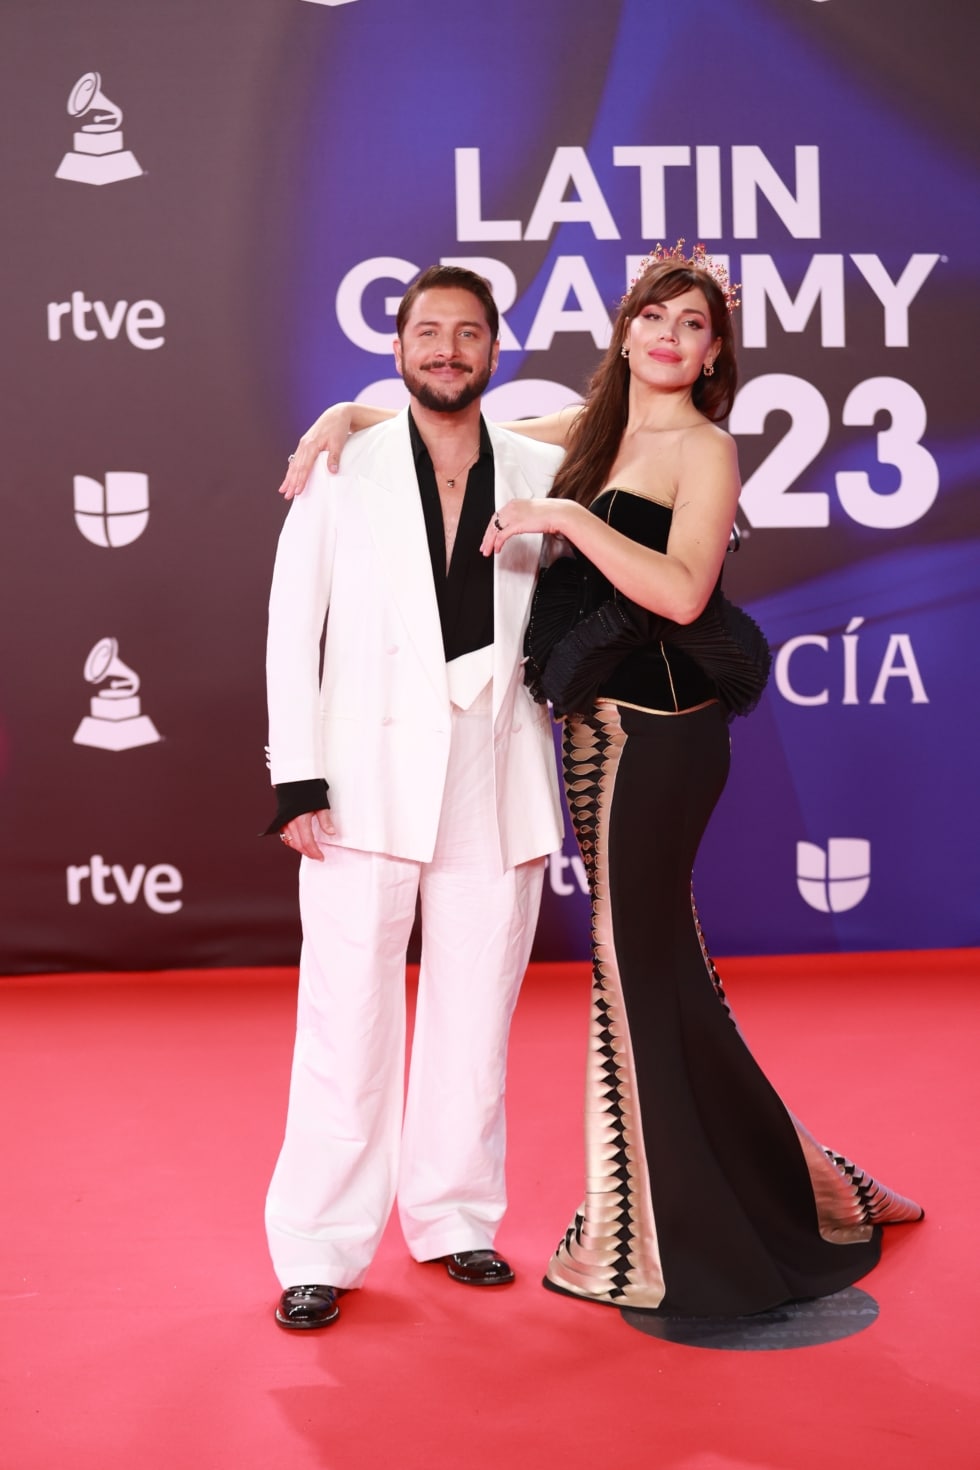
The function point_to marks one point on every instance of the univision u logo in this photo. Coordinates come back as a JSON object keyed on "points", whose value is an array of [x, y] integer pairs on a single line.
{"points": [[837, 879], [115, 513]]}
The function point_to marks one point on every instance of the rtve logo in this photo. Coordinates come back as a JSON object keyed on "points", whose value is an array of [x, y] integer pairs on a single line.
{"points": [[158, 885], [559, 865], [140, 319], [115, 513], [837, 879]]}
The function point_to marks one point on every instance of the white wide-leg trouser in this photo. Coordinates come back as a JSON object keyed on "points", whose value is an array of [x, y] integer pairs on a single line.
{"points": [[353, 1142]]}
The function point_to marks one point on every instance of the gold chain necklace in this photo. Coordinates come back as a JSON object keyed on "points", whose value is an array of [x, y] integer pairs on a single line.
{"points": [[451, 481]]}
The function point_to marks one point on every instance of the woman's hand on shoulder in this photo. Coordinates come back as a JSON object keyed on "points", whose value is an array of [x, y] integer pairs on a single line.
{"points": [[328, 435]]}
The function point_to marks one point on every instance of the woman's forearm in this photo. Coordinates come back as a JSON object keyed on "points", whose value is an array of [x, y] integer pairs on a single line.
{"points": [[549, 428]]}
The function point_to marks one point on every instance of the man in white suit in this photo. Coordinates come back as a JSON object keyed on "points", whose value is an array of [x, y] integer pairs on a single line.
{"points": [[442, 783]]}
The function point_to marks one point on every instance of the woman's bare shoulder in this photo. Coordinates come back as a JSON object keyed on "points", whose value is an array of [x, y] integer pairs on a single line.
{"points": [[706, 443]]}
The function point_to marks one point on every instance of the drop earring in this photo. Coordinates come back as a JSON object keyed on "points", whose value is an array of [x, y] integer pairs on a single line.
{"points": [[709, 370]]}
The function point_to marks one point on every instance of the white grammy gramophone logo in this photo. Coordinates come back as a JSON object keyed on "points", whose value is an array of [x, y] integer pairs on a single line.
{"points": [[98, 156], [115, 722]]}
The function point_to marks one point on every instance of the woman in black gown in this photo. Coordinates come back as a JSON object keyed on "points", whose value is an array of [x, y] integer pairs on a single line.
{"points": [[703, 1196]]}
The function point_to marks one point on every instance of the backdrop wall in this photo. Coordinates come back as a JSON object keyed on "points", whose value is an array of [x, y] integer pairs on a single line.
{"points": [[211, 210]]}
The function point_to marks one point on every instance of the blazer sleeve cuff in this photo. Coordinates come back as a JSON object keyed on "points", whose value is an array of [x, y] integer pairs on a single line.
{"points": [[294, 798]]}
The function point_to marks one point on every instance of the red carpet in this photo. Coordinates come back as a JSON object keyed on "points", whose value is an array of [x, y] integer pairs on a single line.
{"points": [[143, 1115]]}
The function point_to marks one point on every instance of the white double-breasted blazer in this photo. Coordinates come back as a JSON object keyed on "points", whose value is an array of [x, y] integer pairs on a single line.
{"points": [[353, 552]]}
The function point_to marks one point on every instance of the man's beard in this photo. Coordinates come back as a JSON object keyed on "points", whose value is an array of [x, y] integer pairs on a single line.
{"points": [[447, 400]]}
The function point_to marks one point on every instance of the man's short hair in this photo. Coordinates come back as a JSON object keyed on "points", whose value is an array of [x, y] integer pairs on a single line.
{"points": [[455, 278]]}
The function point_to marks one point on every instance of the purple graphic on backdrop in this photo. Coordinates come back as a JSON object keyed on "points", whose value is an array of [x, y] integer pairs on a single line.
{"points": [[853, 442]]}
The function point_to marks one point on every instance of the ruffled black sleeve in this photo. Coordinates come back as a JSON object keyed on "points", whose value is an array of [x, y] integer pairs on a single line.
{"points": [[725, 643]]}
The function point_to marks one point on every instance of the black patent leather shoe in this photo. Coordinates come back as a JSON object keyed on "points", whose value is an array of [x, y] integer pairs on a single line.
{"points": [[307, 1307], [479, 1268]]}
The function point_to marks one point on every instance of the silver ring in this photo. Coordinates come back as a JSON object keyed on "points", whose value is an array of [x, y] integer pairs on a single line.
{"points": [[290, 458], [496, 521], [285, 837]]}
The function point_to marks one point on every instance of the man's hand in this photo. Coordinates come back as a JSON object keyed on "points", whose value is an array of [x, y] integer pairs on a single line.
{"points": [[299, 834]]}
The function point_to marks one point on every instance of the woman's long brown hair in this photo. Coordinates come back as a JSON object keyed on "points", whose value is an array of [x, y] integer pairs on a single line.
{"points": [[598, 430]]}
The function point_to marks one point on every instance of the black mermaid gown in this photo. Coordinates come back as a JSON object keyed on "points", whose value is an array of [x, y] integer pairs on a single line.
{"points": [[704, 1195]]}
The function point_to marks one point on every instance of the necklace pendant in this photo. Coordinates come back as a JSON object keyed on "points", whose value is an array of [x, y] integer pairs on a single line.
{"points": [[451, 484]]}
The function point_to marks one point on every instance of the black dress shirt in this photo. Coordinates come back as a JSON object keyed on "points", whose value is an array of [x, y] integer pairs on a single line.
{"points": [[464, 592]]}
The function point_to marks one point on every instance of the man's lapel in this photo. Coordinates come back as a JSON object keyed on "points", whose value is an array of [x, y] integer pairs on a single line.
{"points": [[394, 510]]}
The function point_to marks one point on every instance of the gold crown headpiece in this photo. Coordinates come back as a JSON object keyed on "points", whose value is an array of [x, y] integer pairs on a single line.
{"points": [[700, 260]]}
